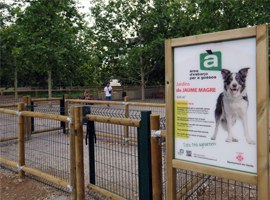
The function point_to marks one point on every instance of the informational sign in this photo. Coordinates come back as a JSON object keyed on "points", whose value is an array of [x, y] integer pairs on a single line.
{"points": [[215, 104]]}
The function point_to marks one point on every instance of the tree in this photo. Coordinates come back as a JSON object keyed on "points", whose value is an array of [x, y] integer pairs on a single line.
{"points": [[10, 47], [52, 27], [126, 40], [51, 34], [118, 42], [134, 32]]}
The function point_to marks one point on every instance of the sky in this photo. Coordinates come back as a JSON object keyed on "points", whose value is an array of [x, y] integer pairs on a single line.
{"points": [[84, 3]]}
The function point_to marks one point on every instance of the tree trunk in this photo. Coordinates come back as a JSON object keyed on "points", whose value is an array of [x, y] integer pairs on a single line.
{"points": [[50, 84], [142, 84], [16, 82]]}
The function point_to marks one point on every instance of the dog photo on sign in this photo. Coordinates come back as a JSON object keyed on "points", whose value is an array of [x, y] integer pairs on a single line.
{"points": [[232, 104]]}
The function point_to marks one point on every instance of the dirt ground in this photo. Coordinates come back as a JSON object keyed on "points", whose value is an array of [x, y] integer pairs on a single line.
{"points": [[11, 187]]}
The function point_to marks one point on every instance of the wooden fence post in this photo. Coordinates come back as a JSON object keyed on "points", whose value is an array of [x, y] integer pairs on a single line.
{"points": [[79, 153], [126, 132], [27, 120], [21, 147], [36, 93], [156, 158], [66, 110], [73, 194]]}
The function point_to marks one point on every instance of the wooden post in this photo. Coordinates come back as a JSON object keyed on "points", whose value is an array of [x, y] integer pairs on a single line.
{"points": [[66, 111], [126, 132], [36, 93], [170, 171], [262, 112], [73, 194], [27, 120], [156, 159], [21, 149], [49, 83], [16, 80], [79, 153], [66, 104]]}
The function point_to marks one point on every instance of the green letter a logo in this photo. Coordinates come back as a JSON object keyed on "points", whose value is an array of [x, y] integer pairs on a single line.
{"points": [[210, 61]]}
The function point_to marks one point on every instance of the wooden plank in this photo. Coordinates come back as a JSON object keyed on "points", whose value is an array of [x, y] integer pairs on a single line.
{"points": [[45, 116], [72, 161], [8, 138], [8, 105], [114, 120], [8, 162], [45, 176], [79, 153], [7, 111], [94, 102], [146, 104], [21, 144], [66, 111], [36, 172], [115, 103], [46, 99], [170, 171], [156, 159], [27, 120], [106, 193], [215, 171], [262, 112], [215, 37]]}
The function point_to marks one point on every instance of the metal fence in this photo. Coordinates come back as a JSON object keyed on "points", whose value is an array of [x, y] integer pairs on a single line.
{"points": [[55, 106], [49, 152], [116, 161], [8, 99], [116, 158], [8, 135], [192, 185], [44, 154]]}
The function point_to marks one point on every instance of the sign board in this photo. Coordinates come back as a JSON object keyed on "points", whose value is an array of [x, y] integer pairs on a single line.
{"points": [[217, 96], [215, 83]]}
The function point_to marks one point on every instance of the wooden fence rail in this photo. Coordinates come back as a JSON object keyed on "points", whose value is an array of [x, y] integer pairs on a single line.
{"points": [[20, 164]]}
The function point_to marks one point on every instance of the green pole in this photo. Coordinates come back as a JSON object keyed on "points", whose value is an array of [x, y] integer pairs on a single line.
{"points": [[144, 157]]}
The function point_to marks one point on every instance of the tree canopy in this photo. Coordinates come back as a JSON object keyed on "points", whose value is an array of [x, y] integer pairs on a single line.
{"points": [[125, 40], [130, 35], [47, 36]]}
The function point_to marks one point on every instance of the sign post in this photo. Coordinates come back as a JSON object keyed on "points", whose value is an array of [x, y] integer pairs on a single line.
{"points": [[217, 106]]}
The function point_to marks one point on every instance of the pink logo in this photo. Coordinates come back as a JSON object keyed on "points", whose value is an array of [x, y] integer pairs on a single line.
{"points": [[240, 157]]}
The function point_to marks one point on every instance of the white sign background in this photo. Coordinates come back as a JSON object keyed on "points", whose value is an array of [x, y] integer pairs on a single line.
{"points": [[236, 54]]}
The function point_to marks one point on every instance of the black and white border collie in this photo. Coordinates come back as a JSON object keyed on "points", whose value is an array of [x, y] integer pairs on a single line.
{"points": [[232, 104]]}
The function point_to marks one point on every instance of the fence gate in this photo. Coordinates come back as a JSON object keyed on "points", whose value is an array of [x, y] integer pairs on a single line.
{"points": [[120, 156]]}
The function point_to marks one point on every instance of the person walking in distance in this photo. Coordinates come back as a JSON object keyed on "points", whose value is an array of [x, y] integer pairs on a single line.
{"points": [[108, 92]]}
